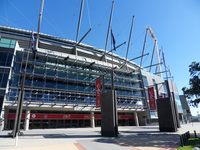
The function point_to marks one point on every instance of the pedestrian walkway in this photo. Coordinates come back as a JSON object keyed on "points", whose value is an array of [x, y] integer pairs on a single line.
{"points": [[130, 138], [66, 146]]}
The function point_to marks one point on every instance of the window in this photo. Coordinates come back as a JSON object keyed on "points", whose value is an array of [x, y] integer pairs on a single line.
{"points": [[6, 55], [145, 81], [2, 92], [7, 43], [4, 72]]}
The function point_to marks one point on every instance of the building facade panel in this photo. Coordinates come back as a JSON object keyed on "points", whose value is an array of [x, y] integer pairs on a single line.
{"points": [[55, 79]]}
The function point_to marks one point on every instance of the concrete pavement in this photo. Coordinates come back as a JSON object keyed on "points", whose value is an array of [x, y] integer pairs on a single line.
{"points": [[130, 138]]}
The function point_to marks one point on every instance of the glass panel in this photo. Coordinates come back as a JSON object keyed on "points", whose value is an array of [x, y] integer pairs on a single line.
{"points": [[7, 43], [2, 92], [39, 70], [6, 56], [4, 77]]}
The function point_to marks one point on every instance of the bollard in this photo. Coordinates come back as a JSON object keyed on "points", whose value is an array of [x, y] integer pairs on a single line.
{"points": [[181, 141], [195, 134], [184, 138], [16, 140], [188, 133]]}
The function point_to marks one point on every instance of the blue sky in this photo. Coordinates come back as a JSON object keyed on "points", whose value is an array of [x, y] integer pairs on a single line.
{"points": [[176, 24]]}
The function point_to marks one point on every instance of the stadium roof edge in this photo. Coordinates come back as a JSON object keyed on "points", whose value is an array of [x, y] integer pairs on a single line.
{"points": [[63, 40]]}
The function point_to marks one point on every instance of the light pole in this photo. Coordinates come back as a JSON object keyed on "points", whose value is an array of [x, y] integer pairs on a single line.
{"points": [[21, 97]]}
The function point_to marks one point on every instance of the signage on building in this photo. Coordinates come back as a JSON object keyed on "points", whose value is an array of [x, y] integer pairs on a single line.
{"points": [[98, 92], [51, 116], [152, 99], [33, 116]]}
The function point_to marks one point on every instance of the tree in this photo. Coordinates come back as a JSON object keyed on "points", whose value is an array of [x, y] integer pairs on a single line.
{"points": [[193, 92]]}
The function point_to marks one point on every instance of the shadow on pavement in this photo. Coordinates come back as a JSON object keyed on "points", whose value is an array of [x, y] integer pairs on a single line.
{"points": [[57, 136], [5, 136], [69, 136], [141, 132], [145, 140], [150, 127]]}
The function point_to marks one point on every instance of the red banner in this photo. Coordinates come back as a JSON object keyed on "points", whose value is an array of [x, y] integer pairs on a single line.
{"points": [[152, 99], [98, 92]]}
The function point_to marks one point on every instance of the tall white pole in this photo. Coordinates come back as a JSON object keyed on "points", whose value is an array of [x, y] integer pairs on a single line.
{"points": [[79, 23], [158, 57], [143, 48], [109, 25], [156, 49], [129, 39], [39, 23]]}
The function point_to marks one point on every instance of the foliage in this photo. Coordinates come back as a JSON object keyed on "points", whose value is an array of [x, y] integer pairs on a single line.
{"points": [[185, 148], [192, 142], [193, 92]]}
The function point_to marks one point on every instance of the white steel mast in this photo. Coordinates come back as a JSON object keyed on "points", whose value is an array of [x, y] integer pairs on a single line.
{"points": [[39, 23]]}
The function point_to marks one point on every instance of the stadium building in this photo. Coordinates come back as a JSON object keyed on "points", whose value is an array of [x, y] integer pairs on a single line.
{"points": [[60, 83]]}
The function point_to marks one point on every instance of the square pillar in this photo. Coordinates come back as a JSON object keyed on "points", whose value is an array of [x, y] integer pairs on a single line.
{"points": [[166, 115], [136, 119], [3, 119], [92, 119], [27, 120], [109, 121]]}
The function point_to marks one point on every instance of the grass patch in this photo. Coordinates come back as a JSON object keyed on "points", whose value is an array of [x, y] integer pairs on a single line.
{"points": [[190, 144], [185, 148]]}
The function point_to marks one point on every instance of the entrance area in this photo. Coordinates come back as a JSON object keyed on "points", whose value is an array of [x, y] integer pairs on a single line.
{"points": [[48, 120]]}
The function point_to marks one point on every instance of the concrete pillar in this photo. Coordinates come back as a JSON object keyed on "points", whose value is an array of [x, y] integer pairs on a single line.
{"points": [[92, 120], [136, 119], [2, 123], [27, 120], [182, 119], [3, 118]]}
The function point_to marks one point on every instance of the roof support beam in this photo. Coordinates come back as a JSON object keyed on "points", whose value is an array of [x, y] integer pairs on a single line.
{"points": [[153, 65], [112, 50]]}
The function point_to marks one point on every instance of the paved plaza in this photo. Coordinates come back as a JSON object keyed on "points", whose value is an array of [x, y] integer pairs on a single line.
{"points": [[130, 138]]}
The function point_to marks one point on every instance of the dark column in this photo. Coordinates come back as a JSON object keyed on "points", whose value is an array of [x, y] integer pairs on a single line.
{"points": [[166, 115], [176, 111], [109, 119], [166, 112]]}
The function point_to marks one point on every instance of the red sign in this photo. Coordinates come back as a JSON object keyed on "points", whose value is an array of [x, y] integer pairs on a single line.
{"points": [[152, 99], [98, 92], [12, 116]]}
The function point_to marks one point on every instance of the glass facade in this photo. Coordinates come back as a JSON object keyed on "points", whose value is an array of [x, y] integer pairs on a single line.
{"points": [[6, 55], [54, 79]]}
